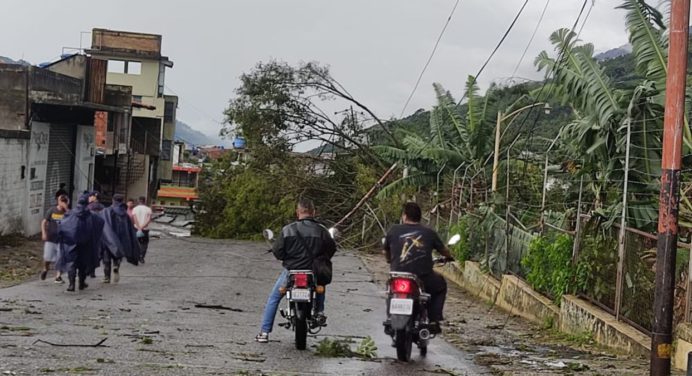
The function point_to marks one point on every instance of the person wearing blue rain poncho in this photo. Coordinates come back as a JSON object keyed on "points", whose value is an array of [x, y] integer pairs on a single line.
{"points": [[79, 236], [119, 239]]}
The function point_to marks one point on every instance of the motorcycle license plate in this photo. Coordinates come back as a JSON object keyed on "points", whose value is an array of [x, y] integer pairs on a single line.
{"points": [[401, 306], [302, 295]]}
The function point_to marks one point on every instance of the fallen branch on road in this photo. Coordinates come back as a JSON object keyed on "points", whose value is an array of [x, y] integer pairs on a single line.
{"points": [[218, 306], [99, 344]]}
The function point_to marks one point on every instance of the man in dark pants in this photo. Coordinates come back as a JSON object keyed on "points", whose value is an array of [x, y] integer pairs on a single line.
{"points": [[142, 215], [408, 248]]}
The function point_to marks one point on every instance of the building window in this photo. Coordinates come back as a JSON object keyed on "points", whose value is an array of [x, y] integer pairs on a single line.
{"points": [[137, 99], [166, 150], [169, 112], [133, 67], [125, 67], [116, 66]]}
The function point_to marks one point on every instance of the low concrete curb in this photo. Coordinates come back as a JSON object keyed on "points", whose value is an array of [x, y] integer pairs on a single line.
{"points": [[574, 316]]}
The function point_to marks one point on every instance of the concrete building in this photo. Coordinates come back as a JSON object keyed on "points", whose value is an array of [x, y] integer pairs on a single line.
{"points": [[47, 137], [135, 60]]}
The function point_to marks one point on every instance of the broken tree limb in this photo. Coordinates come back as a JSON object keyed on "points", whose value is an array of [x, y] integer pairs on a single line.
{"points": [[99, 344], [218, 306], [367, 196]]}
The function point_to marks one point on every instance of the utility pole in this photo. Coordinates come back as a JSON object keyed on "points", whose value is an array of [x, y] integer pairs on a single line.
{"points": [[622, 236], [496, 155], [669, 200]]}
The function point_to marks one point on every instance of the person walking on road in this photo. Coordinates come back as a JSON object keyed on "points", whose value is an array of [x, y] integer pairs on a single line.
{"points": [[80, 235], [119, 239], [49, 234], [142, 214]]}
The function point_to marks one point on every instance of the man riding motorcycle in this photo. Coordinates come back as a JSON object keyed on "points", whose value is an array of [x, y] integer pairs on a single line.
{"points": [[298, 245], [408, 248]]}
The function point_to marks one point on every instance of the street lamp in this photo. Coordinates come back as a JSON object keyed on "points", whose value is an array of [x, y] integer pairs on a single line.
{"points": [[501, 117]]}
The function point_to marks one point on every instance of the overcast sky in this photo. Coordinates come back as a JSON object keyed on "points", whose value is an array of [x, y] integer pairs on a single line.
{"points": [[376, 48]]}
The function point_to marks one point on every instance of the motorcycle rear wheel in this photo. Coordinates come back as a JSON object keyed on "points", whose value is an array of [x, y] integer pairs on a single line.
{"points": [[403, 342], [301, 328]]}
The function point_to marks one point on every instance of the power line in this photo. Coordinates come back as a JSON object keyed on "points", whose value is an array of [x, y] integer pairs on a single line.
{"points": [[528, 45], [497, 47], [432, 54]]}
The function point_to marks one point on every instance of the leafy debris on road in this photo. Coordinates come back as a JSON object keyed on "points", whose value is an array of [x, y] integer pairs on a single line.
{"points": [[340, 348], [248, 357]]}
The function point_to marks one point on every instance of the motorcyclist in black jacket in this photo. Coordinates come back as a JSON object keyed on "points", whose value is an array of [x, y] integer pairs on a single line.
{"points": [[290, 248]]}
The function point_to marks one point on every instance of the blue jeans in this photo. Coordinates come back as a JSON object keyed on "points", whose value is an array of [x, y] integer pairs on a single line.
{"points": [[274, 300]]}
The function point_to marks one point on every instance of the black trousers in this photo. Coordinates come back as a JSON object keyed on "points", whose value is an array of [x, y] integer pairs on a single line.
{"points": [[109, 260], [143, 244], [435, 285]]}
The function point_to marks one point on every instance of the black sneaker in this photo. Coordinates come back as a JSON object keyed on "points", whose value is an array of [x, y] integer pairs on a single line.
{"points": [[70, 288], [59, 280], [43, 275], [319, 320], [82, 285], [262, 337], [434, 327]]}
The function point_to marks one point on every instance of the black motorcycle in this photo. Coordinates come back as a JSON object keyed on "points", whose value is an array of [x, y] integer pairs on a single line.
{"points": [[407, 313], [301, 292]]}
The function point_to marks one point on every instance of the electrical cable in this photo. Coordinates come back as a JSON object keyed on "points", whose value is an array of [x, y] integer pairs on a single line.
{"points": [[432, 54]]}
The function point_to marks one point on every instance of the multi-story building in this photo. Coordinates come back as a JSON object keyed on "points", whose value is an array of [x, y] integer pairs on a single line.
{"points": [[135, 60]]}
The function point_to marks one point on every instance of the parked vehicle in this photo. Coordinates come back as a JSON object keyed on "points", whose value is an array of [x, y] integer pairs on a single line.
{"points": [[407, 314]]}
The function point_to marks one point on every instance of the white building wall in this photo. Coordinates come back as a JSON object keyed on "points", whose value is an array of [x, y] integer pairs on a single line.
{"points": [[35, 181], [85, 154], [13, 154]]}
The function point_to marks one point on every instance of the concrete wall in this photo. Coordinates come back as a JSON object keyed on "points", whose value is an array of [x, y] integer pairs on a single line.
{"points": [[517, 297], [85, 155], [36, 178], [74, 66], [574, 315], [13, 97], [13, 154], [578, 316], [141, 186], [144, 84]]}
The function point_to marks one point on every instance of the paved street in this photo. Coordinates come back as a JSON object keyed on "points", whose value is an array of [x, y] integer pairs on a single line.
{"points": [[153, 328]]}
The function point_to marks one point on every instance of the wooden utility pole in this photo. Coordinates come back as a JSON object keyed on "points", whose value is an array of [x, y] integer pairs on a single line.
{"points": [[496, 155], [669, 200]]}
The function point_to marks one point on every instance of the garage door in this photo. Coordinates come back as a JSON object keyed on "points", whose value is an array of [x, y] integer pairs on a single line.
{"points": [[61, 148]]}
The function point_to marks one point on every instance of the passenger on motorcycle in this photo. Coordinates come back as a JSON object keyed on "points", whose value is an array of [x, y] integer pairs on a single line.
{"points": [[297, 246], [408, 248]]}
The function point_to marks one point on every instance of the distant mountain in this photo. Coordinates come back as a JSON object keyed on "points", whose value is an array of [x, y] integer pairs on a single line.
{"points": [[623, 50], [7, 60], [187, 134]]}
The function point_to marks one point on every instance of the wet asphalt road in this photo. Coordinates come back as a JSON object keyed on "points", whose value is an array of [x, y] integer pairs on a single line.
{"points": [[153, 328]]}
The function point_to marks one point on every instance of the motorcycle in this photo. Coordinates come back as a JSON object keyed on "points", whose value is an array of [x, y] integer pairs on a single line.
{"points": [[407, 314], [301, 292]]}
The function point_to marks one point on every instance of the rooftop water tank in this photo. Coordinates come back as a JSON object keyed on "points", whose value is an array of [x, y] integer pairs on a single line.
{"points": [[239, 143]]}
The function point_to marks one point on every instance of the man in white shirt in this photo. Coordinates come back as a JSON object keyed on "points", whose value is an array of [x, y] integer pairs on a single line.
{"points": [[142, 215]]}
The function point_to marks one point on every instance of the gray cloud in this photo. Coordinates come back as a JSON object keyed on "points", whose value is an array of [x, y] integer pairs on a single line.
{"points": [[375, 48]]}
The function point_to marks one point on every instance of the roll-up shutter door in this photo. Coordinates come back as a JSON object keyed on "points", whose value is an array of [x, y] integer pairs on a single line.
{"points": [[61, 150]]}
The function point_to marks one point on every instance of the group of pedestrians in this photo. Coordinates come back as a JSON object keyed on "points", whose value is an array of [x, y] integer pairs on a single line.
{"points": [[78, 239]]}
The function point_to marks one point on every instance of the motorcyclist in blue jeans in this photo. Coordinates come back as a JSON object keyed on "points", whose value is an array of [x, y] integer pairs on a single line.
{"points": [[290, 250]]}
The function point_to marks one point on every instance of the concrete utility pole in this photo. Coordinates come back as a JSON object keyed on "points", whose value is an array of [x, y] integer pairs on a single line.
{"points": [[669, 201], [496, 154]]}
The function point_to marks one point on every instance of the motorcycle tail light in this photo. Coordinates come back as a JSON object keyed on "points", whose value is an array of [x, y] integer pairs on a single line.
{"points": [[402, 286], [300, 280]]}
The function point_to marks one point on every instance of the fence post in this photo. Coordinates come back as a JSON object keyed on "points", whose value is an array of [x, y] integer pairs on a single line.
{"points": [[622, 237], [576, 245], [545, 183], [688, 291]]}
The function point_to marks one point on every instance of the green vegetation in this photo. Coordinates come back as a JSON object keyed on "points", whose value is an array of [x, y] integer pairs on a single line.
{"points": [[549, 265]]}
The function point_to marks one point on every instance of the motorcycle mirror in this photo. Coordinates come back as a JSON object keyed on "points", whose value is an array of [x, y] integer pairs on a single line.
{"points": [[268, 234], [454, 239], [332, 232]]}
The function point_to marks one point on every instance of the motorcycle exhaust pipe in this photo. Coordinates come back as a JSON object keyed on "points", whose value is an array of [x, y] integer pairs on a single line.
{"points": [[424, 334]]}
